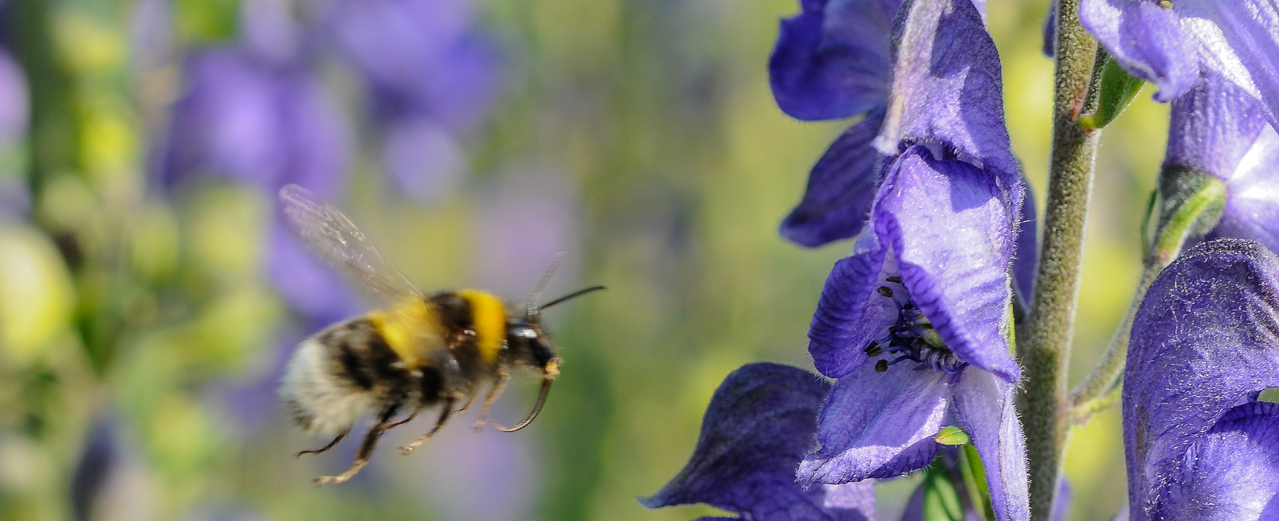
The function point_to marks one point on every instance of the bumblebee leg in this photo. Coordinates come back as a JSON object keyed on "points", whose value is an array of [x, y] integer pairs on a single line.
{"points": [[469, 401], [445, 412], [325, 448], [402, 422], [366, 449], [498, 387]]}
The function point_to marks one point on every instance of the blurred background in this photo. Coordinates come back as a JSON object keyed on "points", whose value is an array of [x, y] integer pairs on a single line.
{"points": [[149, 297]]}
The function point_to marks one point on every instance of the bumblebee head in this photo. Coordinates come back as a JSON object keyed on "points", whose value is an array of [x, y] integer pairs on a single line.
{"points": [[528, 345]]}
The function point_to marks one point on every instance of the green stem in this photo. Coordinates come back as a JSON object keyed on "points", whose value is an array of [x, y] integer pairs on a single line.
{"points": [[1046, 349]]}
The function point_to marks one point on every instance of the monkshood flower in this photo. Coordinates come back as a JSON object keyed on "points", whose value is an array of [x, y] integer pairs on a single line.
{"points": [[1205, 343], [833, 60], [757, 428], [1170, 43], [1219, 130], [914, 325]]}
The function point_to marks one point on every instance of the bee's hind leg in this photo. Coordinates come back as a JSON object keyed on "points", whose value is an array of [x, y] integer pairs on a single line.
{"points": [[366, 449], [402, 422], [326, 448], [445, 412]]}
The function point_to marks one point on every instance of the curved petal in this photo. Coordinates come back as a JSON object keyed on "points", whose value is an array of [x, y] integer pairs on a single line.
{"points": [[1205, 337], [1026, 257], [951, 232], [947, 89], [984, 405], [1239, 40], [840, 190], [1147, 40], [1252, 195], [878, 425], [847, 318], [1212, 127], [757, 427], [1232, 474], [831, 60]]}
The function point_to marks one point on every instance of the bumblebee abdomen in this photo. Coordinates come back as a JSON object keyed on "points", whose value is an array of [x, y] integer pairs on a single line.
{"points": [[339, 374]]}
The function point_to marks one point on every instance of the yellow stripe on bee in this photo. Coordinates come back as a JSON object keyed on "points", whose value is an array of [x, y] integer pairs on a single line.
{"points": [[410, 328], [489, 316]]}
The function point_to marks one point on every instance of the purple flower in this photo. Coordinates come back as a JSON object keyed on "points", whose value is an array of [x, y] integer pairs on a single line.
{"points": [[1172, 42], [255, 121], [914, 325], [1205, 343], [1219, 130], [833, 60], [420, 56], [757, 428]]}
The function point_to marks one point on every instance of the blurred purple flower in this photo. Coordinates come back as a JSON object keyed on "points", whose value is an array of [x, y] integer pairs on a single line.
{"points": [[1205, 343], [109, 479], [15, 107], [255, 121], [420, 57], [1173, 43], [525, 216], [306, 282], [1219, 130], [757, 428], [423, 159]]}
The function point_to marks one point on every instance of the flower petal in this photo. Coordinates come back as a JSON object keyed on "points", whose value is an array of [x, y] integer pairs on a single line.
{"points": [[840, 189], [847, 319], [1239, 40], [1232, 473], [757, 428], [1252, 195], [951, 232], [947, 88], [831, 60], [878, 425], [1026, 257], [1147, 40], [1212, 127], [1205, 337], [984, 405]]}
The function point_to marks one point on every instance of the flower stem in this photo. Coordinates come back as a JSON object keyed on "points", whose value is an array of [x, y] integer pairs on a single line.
{"points": [[1046, 348]]}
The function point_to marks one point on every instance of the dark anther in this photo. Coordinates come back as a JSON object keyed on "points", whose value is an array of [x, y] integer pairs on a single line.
{"points": [[881, 366], [873, 349], [885, 291], [895, 279]]}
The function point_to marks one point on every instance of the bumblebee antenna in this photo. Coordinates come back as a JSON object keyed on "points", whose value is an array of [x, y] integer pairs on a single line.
{"points": [[571, 296], [546, 279]]}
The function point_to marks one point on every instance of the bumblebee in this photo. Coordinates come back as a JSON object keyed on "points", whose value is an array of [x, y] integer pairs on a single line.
{"points": [[415, 352]]}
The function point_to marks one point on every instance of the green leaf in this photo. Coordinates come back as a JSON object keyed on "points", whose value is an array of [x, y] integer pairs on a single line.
{"points": [[941, 501], [1191, 204], [1116, 90]]}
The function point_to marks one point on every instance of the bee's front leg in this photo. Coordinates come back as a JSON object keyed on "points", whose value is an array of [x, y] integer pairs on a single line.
{"points": [[498, 387]]}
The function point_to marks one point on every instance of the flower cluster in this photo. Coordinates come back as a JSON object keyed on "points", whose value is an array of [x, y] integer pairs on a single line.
{"points": [[914, 327]]}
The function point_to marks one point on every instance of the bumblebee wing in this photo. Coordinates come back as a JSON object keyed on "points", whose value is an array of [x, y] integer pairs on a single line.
{"points": [[331, 235]]}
